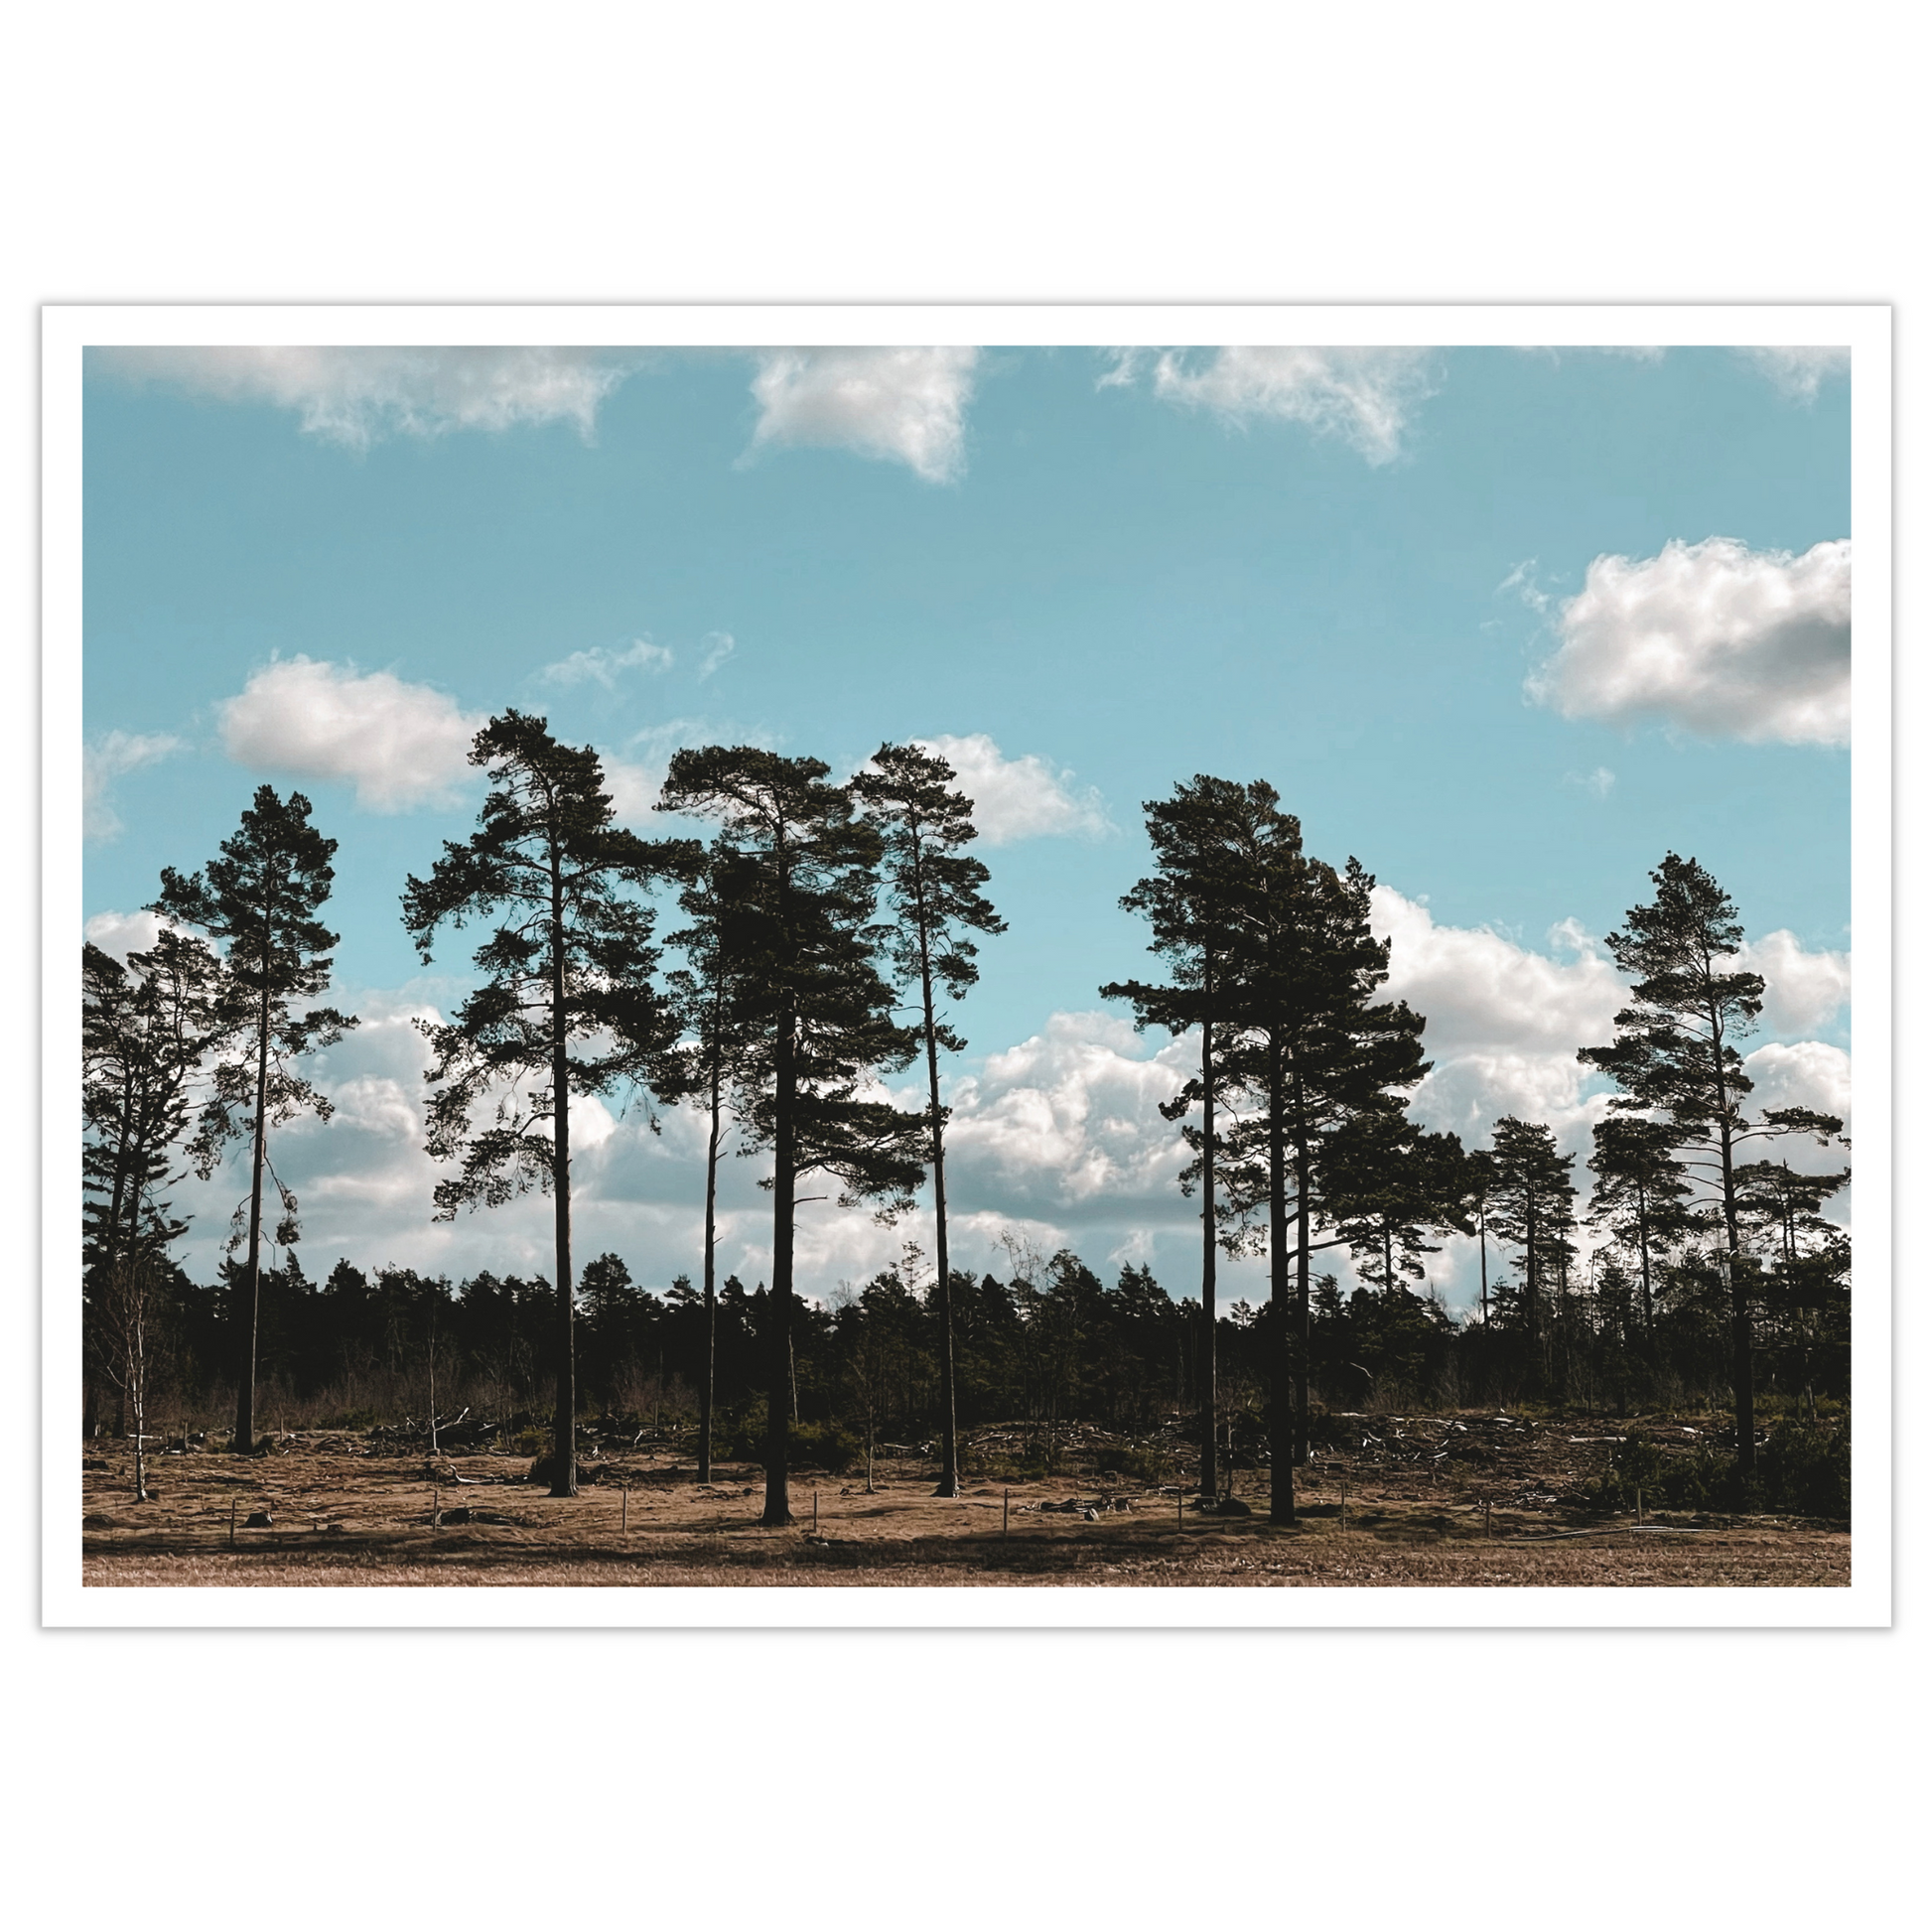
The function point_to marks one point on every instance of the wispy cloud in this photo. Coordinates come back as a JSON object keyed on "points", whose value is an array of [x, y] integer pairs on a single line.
{"points": [[1365, 397], [603, 665], [107, 758], [1797, 372], [718, 645], [356, 395]]}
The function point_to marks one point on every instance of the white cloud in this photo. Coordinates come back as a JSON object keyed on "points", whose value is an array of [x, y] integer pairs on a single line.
{"points": [[400, 745], [633, 789], [121, 933], [1019, 798], [1366, 396], [357, 395], [1802, 991], [718, 645], [1504, 1021], [1797, 372], [1804, 1073], [108, 758], [601, 664], [1599, 783], [908, 405], [1068, 1119], [636, 783], [1714, 637]]}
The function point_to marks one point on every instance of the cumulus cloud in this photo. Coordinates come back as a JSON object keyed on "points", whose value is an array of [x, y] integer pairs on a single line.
{"points": [[602, 663], [1797, 372], [1802, 991], [1714, 637], [357, 395], [1365, 396], [400, 745], [908, 405], [121, 933], [112, 757], [1504, 1021], [634, 788], [1802, 1073], [1067, 1119], [1019, 798]]}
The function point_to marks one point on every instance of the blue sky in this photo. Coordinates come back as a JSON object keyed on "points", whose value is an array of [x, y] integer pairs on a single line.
{"points": [[1507, 624]]}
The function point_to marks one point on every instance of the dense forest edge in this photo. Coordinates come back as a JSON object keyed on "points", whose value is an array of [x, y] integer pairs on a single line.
{"points": [[824, 935]]}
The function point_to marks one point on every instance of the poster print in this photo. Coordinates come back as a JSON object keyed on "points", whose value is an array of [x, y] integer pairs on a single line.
{"points": [[697, 958]]}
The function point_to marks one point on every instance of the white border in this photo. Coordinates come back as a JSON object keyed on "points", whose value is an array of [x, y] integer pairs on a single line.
{"points": [[1866, 1603]]}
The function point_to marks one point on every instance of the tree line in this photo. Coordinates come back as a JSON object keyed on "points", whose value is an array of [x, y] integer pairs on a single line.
{"points": [[823, 937]]}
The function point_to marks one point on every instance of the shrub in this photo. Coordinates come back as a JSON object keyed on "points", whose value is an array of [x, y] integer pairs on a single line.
{"points": [[1801, 1469], [1807, 1471], [1139, 1462], [827, 1446]]}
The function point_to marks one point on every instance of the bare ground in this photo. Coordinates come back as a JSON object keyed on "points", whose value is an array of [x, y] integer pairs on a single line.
{"points": [[1429, 1501]]}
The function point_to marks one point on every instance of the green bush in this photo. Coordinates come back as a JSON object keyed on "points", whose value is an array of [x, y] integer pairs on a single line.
{"points": [[1807, 1471], [1139, 1462], [1802, 1471], [827, 1446]]}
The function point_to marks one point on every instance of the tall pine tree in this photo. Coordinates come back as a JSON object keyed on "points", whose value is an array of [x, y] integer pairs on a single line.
{"points": [[932, 888], [1313, 1052], [567, 1006], [1205, 840], [258, 898], [796, 883], [1675, 1056]]}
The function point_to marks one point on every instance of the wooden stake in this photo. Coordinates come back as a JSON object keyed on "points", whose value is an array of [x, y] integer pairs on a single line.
{"points": [[435, 1505], [233, 1507], [1180, 1521], [626, 1509], [1344, 1499], [814, 1509], [1006, 1504]]}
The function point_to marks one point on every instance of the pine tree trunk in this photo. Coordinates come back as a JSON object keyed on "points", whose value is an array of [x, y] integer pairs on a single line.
{"points": [[707, 1381], [1210, 1395], [777, 1435], [1280, 1420], [948, 1395], [245, 1426], [1303, 1230], [564, 1477]]}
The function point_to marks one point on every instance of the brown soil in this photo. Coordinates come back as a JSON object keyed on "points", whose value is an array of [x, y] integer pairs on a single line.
{"points": [[1463, 1501]]}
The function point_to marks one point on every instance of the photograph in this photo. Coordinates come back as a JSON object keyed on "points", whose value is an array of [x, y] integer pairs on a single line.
{"points": [[1169, 965]]}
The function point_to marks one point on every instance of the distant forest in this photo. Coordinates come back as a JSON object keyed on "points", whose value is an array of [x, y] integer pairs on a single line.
{"points": [[1689, 1263]]}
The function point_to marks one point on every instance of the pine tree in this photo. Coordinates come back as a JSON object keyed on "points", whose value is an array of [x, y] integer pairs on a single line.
{"points": [[1312, 1054], [934, 890], [1205, 839], [566, 1002], [147, 1031], [1390, 1186], [796, 883], [1675, 1056], [1530, 1204], [1639, 1193], [705, 989], [258, 899]]}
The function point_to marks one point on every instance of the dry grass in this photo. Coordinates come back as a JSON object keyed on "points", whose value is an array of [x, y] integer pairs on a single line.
{"points": [[342, 1516]]}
